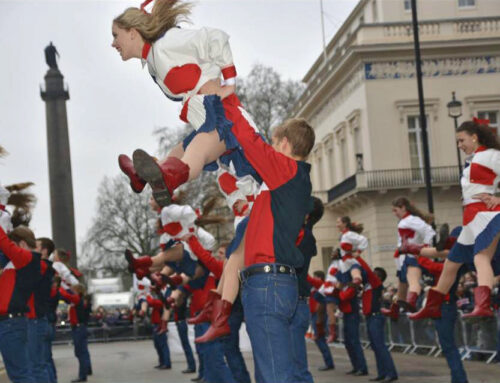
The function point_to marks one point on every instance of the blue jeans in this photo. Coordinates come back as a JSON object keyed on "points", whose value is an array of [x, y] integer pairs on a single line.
{"points": [[37, 332], [353, 343], [231, 343], [13, 346], [51, 367], [445, 327], [79, 334], [182, 329], [385, 365], [199, 330], [215, 369], [321, 342], [161, 346], [298, 329], [269, 302]]}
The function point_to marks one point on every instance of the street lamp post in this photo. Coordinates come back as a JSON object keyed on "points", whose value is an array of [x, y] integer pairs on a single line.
{"points": [[455, 111]]}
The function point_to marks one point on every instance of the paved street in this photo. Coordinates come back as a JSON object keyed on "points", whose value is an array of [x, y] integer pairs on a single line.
{"points": [[132, 362]]}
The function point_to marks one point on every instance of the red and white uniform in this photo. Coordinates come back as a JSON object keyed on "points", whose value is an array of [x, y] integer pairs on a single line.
{"points": [[183, 60], [234, 189], [417, 231], [68, 279], [481, 176], [352, 242], [141, 287], [178, 221], [328, 286]]}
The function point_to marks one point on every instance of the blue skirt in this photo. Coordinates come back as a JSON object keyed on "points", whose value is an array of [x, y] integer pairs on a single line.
{"points": [[216, 120]]}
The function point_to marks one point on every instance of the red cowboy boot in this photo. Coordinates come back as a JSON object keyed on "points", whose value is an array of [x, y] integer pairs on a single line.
{"points": [[163, 177], [392, 312], [173, 280], [143, 262], [432, 308], [411, 301], [220, 326], [136, 183], [332, 336], [205, 315], [163, 328], [482, 303], [142, 272], [410, 248]]}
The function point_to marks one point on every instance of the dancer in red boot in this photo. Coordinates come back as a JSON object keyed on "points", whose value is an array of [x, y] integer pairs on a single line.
{"points": [[188, 65], [480, 235], [413, 227]]}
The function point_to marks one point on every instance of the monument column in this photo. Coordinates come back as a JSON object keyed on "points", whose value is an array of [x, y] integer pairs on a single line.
{"points": [[61, 185]]}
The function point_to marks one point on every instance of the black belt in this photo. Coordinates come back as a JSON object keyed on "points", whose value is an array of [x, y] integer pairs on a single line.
{"points": [[11, 316], [269, 268]]}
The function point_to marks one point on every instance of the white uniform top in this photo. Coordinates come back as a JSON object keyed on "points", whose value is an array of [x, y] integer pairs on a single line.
{"points": [[417, 231], [178, 221], [141, 288], [482, 175], [328, 287], [182, 60], [235, 188], [67, 277], [351, 242]]}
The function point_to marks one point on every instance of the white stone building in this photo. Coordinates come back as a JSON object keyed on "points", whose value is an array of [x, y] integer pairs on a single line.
{"points": [[363, 103]]}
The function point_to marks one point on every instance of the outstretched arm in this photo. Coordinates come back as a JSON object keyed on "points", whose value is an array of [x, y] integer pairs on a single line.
{"points": [[20, 257]]}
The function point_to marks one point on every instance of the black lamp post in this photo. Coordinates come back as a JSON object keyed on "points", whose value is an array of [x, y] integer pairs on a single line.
{"points": [[455, 111]]}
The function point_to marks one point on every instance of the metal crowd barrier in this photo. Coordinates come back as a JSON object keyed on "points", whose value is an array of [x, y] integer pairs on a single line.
{"points": [[104, 333], [411, 337]]}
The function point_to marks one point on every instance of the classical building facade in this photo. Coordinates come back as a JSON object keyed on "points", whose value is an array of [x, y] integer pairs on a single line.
{"points": [[361, 97]]}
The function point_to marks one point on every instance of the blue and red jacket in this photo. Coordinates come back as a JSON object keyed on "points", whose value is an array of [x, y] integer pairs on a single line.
{"points": [[284, 200], [157, 306], [39, 301], [308, 248], [19, 277], [372, 293], [79, 310]]}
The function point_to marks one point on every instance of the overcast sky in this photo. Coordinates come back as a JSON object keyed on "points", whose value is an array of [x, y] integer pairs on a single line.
{"points": [[114, 106]]}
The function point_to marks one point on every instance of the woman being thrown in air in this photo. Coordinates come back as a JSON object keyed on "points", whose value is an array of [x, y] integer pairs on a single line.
{"points": [[187, 65]]}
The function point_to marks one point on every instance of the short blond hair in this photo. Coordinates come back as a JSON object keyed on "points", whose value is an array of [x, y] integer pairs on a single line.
{"points": [[300, 135]]}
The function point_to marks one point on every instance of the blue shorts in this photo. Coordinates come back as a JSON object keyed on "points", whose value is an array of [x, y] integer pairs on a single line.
{"points": [[186, 265], [216, 120]]}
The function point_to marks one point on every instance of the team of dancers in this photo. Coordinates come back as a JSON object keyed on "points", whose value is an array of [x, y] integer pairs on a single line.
{"points": [[262, 276]]}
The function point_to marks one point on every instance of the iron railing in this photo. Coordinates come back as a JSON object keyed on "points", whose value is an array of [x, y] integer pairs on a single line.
{"points": [[394, 179]]}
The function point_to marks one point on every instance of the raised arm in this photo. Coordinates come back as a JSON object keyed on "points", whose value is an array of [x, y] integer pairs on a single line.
{"points": [[211, 263], [68, 297], [274, 168]]}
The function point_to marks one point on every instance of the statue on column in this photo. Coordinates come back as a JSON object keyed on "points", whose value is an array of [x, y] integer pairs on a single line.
{"points": [[50, 56]]}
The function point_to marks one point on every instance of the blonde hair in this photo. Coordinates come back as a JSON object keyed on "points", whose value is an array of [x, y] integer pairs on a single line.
{"points": [[165, 14]]}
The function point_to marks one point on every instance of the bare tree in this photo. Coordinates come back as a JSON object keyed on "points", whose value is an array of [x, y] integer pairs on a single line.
{"points": [[268, 97], [123, 220]]}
